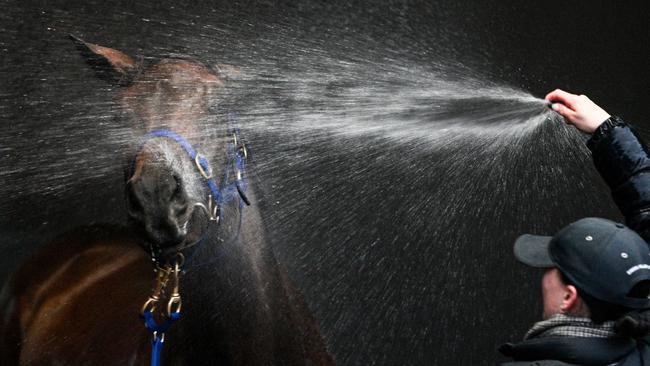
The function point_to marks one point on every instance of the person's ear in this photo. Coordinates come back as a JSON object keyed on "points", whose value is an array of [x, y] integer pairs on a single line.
{"points": [[570, 299]]}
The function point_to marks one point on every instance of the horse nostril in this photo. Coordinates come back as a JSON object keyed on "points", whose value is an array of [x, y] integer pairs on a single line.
{"points": [[182, 211], [178, 186]]}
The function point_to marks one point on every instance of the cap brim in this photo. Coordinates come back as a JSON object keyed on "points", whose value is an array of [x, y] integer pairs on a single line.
{"points": [[533, 250]]}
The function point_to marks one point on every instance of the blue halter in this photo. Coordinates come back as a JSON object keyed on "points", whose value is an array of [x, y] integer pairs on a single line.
{"points": [[237, 155]]}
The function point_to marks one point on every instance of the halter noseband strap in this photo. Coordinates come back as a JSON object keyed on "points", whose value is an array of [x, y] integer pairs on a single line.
{"points": [[202, 163]]}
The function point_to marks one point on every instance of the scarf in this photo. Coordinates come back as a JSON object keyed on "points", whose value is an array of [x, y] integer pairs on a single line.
{"points": [[560, 325]]}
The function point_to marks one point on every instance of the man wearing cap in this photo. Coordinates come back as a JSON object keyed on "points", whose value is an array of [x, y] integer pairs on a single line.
{"points": [[597, 272]]}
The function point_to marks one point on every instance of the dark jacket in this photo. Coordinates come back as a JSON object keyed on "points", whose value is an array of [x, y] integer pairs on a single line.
{"points": [[622, 160], [624, 163]]}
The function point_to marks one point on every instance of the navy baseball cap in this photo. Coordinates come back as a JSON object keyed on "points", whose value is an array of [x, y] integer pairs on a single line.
{"points": [[601, 257]]}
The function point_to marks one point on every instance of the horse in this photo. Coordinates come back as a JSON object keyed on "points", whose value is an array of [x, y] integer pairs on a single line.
{"points": [[81, 299]]}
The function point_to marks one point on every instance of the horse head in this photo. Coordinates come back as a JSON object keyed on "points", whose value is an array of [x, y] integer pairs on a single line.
{"points": [[165, 183], [246, 312]]}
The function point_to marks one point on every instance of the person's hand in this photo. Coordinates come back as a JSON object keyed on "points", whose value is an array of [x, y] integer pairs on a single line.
{"points": [[577, 110]]}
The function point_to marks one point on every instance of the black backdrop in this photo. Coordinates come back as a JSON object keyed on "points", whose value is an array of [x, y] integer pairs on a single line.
{"points": [[387, 286]]}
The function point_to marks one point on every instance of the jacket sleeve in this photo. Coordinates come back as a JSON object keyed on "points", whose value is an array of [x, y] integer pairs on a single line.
{"points": [[622, 160]]}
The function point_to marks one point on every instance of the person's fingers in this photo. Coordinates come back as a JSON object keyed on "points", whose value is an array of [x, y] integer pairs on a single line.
{"points": [[564, 111], [559, 95]]}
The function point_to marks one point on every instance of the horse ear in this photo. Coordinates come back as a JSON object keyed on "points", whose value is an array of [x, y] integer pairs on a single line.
{"points": [[109, 64]]}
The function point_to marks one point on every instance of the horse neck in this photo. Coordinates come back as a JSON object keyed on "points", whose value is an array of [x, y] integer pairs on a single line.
{"points": [[229, 280], [237, 243]]}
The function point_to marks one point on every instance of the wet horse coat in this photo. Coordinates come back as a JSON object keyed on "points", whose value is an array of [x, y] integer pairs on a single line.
{"points": [[76, 301]]}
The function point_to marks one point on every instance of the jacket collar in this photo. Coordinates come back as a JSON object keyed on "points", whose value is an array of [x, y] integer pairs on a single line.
{"points": [[574, 350]]}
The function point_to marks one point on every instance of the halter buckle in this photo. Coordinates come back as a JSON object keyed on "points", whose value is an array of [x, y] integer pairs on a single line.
{"points": [[213, 210], [197, 161], [244, 150]]}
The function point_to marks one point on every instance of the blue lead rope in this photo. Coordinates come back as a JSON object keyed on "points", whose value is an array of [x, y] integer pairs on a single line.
{"points": [[158, 331], [156, 349]]}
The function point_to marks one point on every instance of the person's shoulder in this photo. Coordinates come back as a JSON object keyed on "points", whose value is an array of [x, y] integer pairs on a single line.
{"points": [[537, 363]]}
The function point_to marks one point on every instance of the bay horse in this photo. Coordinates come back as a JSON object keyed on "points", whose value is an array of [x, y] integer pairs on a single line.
{"points": [[77, 300]]}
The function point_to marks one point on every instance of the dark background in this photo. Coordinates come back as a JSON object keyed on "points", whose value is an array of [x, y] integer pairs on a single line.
{"points": [[405, 257]]}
